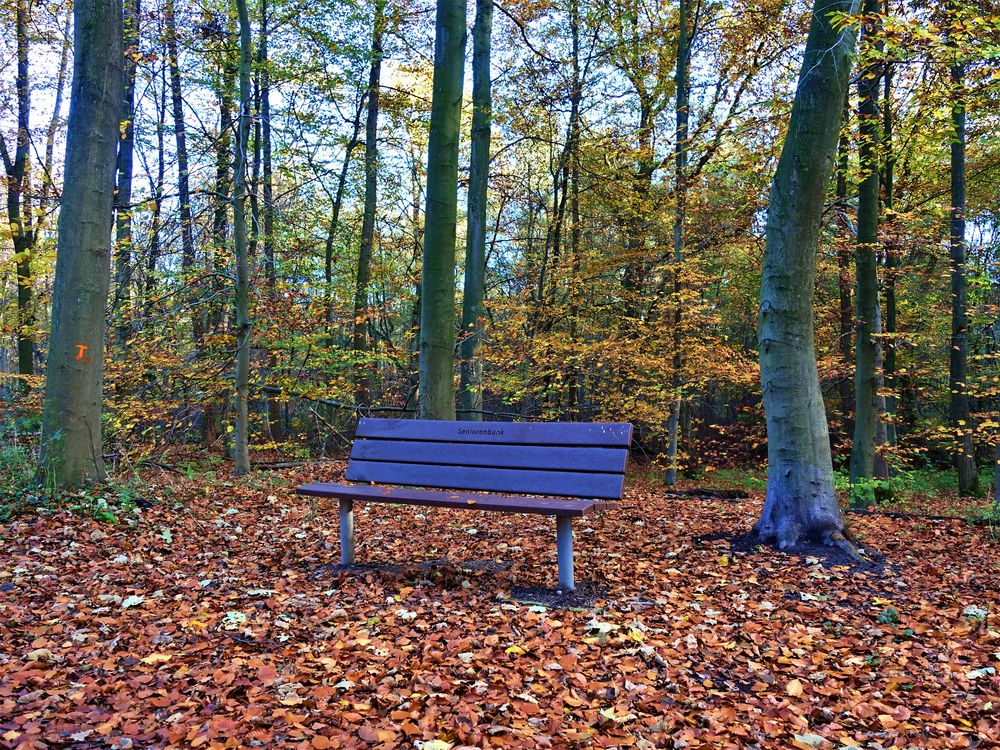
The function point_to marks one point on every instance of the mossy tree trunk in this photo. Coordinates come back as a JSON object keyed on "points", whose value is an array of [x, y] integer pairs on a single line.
{"points": [[437, 298]]}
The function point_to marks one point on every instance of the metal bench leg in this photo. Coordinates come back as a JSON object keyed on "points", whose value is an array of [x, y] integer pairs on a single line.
{"points": [[564, 547], [346, 532]]}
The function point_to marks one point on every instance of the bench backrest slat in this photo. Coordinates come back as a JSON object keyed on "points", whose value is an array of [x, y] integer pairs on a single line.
{"points": [[499, 456], [550, 458], [605, 435]]}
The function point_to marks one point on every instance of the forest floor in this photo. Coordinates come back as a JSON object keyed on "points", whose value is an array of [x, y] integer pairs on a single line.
{"points": [[218, 618]]}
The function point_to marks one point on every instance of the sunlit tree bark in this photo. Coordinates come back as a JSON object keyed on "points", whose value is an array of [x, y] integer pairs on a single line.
{"points": [[437, 305], [801, 502]]}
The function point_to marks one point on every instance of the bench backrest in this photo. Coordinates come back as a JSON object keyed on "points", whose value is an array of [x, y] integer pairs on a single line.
{"points": [[568, 459]]}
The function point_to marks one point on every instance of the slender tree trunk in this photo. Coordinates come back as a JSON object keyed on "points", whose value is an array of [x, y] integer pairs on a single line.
{"points": [[71, 421], [157, 188], [844, 273], [364, 275], [680, 211], [334, 223], [801, 501], [573, 390], [188, 259], [244, 331], [183, 178], [961, 422], [123, 194], [437, 312], [892, 260], [223, 165], [19, 215], [866, 266], [253, 189], [267, 197], [274, 416], [48, 186], [417, 244], [471, 384]]}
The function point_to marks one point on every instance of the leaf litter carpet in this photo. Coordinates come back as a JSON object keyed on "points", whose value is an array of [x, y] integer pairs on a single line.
{"points": [[219, 619]]}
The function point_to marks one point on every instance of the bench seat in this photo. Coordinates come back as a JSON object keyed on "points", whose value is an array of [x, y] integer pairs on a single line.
{"points": [[545, 506]]}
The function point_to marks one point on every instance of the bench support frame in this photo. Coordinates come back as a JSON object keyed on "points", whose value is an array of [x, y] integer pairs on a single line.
{"points": [[564, 552], [346, 532]]}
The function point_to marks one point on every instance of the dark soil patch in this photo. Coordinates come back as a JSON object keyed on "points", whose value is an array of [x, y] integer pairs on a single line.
{"points": [[704, 493], [585, 596], [830, 556]]}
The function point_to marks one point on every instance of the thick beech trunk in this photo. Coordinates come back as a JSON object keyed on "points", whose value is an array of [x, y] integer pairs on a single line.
{"points": [[437, 309], [801, 501], [471, 385], [71, 421]]}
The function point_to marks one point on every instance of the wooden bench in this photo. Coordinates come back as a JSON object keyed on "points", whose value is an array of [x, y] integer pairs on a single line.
{"points": [[579, 467]]}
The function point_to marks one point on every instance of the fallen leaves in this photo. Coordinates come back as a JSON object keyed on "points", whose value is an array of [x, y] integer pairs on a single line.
{"points": [[226, 638]]}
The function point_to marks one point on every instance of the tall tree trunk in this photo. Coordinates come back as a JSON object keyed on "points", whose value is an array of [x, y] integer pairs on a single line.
{"points": [[183, 178], [334, 223], [364, 274], [48, 186], [19, 216], [968, 480], [149, 288], [244, 330], [844, 272], [267, 171], [207, 417], [253, 189], [866, 266], [274, 420], [123, 194], [471, 383], [680, 212], [576, 97], [892, 259], [71, 421], [437, 310], [801, 501]]}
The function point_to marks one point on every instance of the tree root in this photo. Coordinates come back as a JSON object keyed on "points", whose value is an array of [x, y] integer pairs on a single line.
{"points": [[842, 542]]}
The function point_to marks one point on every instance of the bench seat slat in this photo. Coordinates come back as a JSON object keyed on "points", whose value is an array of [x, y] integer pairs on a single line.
{"points": [[617, 435], [604, 460], [531, 481], [546, 506]]}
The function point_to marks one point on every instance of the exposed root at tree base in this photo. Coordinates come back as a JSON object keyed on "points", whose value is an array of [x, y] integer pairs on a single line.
{"points": [[841, 551]]}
